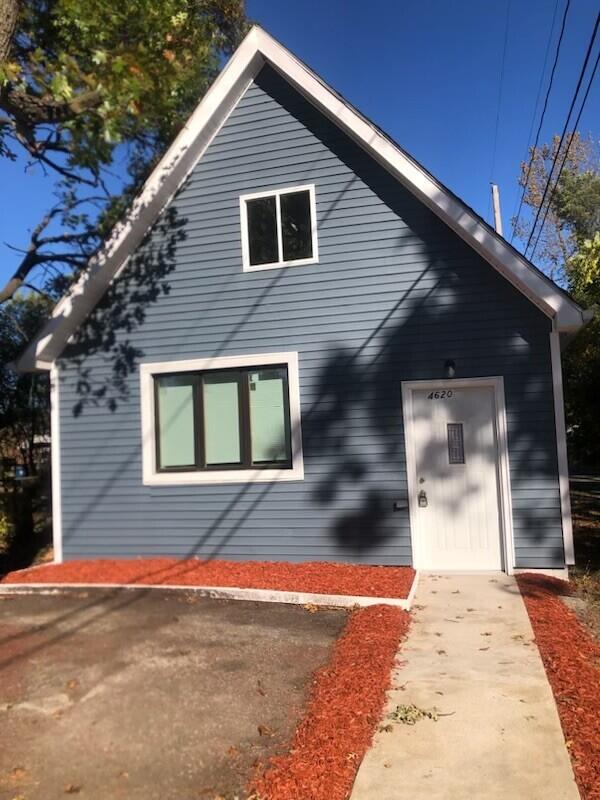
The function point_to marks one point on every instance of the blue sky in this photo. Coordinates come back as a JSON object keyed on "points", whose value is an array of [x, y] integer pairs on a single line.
{"points": [[427, 71]]}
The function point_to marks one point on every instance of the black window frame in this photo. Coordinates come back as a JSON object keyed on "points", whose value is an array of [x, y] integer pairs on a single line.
{"points": [[245, 463]]}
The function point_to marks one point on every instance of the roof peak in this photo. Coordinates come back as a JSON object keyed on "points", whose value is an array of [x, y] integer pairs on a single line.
{"points": [[257, 49]]}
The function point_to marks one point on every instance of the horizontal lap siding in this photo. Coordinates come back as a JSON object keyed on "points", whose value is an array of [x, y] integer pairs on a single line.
{"points": [[393, 296]]}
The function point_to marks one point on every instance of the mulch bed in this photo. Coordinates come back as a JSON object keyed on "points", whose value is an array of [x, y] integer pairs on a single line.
{"points": [[572, 661], [316, 577], [344, 707]]}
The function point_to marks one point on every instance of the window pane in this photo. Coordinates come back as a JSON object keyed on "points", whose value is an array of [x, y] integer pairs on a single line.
{"points": [[295, 225], [268, 415], [176, 421], [456, 446], [262, 230], [221, 418]]}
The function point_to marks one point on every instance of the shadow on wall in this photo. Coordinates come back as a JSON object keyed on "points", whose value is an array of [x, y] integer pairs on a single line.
{"points": [[121, 311], [455, 307]]}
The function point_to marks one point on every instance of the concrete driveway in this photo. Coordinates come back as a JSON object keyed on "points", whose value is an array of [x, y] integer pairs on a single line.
{"points": [[154, 695], [470, 654]]}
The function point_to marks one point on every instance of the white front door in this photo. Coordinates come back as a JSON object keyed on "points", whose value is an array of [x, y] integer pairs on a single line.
{"points": [[457, 505]]}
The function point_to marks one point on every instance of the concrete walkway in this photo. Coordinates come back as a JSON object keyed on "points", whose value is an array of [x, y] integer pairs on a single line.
{"points": [[470, 654]]}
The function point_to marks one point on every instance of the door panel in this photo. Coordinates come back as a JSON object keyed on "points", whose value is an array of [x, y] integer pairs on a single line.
{"points": [[456, 457]]}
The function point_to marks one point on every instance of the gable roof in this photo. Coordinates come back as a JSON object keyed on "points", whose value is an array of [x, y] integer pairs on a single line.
{"points": [[257, 49]]}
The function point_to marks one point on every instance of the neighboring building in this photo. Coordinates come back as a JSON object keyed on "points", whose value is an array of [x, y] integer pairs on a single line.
{"points": [[349, 365]]}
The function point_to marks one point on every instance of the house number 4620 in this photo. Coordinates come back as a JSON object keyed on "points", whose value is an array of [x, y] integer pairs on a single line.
{"points": [[440, 394]]}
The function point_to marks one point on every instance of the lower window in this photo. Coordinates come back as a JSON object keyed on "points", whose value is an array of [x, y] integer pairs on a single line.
{"points": [[225, 423]]}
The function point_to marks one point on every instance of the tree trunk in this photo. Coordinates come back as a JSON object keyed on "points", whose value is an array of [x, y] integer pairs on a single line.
{"points": [[9, 11]]}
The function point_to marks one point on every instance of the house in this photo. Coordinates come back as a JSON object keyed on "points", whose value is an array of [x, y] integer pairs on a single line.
{"points": [[349, 363]]}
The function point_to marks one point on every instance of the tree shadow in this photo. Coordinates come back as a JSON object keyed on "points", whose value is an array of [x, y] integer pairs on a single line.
{"points": [[108, 331]]}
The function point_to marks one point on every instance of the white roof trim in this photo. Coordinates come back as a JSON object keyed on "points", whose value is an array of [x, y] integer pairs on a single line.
{"points": [[181, 157]]}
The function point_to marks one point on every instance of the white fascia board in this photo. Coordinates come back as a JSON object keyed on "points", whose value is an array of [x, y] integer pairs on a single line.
{"points": [[443, 203], [170, 173], [196, 136]]}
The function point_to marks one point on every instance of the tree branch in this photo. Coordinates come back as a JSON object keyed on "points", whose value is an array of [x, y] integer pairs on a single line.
{"points": [[29, 109], [9, 12]]}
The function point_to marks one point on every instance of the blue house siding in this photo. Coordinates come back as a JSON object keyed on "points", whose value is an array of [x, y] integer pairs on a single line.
{"points": [[394, 295]]}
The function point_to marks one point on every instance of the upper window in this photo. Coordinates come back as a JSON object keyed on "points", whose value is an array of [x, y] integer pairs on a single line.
{"points": [[222, 419], [279, 228]]}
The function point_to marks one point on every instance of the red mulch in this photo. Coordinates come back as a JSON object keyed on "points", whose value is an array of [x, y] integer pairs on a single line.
{"points": [[572, 660], [345, 705], [317, 577]]}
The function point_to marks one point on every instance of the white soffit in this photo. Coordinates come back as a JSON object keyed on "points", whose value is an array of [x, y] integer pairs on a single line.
{"points": [[257, 48]]}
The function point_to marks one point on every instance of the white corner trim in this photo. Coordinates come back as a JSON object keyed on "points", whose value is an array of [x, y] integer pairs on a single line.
{"points": [[57, 542], [497, 384], [191, 143], [561, 448], [150, 474], [314, 259]]}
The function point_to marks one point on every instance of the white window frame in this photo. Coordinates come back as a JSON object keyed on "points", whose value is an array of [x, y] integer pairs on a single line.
{"points": [[151, 475], [248, 267]]}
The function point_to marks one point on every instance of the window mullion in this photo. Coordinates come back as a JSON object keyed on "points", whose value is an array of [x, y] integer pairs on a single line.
{"points": [[199, 422], [278, 224], [156, 424], [245, 433]]}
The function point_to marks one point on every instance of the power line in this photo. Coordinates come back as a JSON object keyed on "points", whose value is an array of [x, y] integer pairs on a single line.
{"points": [[564, 131], [506, 25], [535, 108], [564, 161], [537, 136]]}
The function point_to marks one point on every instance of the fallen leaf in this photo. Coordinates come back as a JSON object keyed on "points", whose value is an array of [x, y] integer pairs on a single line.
{"points": [[486, 633], [484, 648], [73, 683], [72, 788], [260, 689], [264, 730], [18, 773]]}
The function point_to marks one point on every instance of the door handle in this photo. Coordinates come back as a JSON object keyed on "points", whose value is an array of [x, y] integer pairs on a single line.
{"points": [[422, 498]]}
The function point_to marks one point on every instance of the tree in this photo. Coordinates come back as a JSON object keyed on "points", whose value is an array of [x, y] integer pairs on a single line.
{"points": [[23, 397], [570, 252], [86, 82], [573, 208]]}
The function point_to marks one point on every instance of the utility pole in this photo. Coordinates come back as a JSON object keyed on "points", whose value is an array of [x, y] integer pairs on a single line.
{"points": [[496, 204]]}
